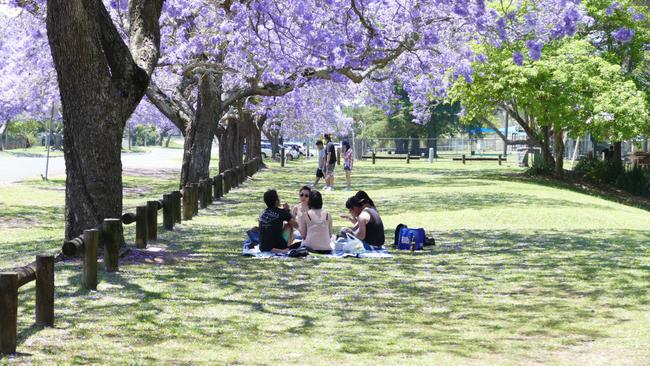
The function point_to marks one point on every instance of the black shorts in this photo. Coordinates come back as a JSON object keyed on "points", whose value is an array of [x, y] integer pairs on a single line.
{"points": [[319, 173]]}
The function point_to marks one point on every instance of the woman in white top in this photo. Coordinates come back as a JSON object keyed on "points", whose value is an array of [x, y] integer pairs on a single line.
{"points": [[316, 226], [298, 210]]}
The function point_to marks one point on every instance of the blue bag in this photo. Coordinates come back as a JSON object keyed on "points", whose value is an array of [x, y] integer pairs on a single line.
{"points": [[407, 236]]}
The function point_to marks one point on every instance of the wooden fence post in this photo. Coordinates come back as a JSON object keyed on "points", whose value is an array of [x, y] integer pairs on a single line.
{"points": [[374, 156], [195, 198], [408, 158], [218, 186], [463, 159], [91, 242], [188, 205], [112, 232], [177, 207], [8, 312], [499, 159], [168, 212], [338, 156], [45, 290], [202, 194], [152, 220], [141, 227], [210, 189], [226, 182], [282, 157]]}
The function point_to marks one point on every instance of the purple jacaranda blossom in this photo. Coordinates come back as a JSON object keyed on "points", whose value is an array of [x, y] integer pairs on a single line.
{"points": [[623, 34]]}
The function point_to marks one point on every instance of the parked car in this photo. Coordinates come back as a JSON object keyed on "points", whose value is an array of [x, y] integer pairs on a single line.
{"points": [[290, 152], [297, 146], [266, 150]]}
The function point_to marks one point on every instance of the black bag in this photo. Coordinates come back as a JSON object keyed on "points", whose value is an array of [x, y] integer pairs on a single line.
{"points": [[299, 252], [397, 230]]}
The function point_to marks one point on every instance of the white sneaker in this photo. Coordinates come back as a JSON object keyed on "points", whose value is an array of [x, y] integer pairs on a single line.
{"points": [[326, 188]]}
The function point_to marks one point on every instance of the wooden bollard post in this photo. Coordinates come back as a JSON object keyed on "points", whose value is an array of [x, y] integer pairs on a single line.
{"points": [[195, 199], [500, 159], [141, 227], [210, 190], [152, 220], [238, 176], [168, 211], [112, 232], [91, 242], [226, 182], [218, 184], [202, 194], [45, 290], [282, 157], [177, 207], [408, 158], [188, 205], [463, 159], [374, 156], [338, 156], [8, 312]]}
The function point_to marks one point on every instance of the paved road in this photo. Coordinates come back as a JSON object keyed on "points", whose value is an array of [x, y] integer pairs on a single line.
{"points": [[14, 169]]}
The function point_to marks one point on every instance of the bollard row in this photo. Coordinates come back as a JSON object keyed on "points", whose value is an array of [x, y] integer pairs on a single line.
{"points": [[176, 206]]}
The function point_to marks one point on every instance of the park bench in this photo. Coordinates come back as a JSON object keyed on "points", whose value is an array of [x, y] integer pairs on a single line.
{"points": [[406, 157], [464, 159]]}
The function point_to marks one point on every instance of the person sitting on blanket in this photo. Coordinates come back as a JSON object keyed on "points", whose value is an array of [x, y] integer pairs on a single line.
{"points": [[369, 228], [276, 225], [298, 210], [363, 197], [316, 226]]}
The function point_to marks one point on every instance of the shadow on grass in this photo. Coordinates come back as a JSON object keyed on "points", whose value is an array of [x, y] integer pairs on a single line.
{"points": [[511, 286], [609, 194]]}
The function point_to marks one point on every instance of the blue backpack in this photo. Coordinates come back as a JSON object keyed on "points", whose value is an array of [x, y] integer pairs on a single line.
{"points": [[404, 236]]}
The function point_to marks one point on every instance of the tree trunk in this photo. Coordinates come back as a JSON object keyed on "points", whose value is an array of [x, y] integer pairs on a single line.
{"points": [[101, 81], [546, 146], [618, 152], [169, 137], [558, 135], [200, 134], [4, 129], [415, 146]]}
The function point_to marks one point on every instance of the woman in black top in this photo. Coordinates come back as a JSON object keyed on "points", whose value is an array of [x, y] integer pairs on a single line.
{"points": [[369, 228]]}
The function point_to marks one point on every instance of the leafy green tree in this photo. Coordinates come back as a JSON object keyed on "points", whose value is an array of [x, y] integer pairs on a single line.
{"points": [[569, 90]]}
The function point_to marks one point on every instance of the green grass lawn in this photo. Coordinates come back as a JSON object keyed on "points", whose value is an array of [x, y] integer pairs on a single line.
{"points": [[523, 274], [34, 151]]}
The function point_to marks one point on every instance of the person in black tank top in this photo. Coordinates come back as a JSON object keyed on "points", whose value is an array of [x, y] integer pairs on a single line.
{"points": [[369, 228]]}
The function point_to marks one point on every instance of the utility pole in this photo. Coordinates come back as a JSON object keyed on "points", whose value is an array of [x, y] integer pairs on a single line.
{"points": [[49, 142], [505, 143]]}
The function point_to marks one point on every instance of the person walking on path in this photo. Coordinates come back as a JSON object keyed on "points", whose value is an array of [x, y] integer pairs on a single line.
{"points": [[348, 159], [321, 162], [331, 163]]}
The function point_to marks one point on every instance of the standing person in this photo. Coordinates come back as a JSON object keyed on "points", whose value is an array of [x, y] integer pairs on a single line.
{"points": [[275, 225], [316, 226], [348, 159], [321, 162], [331, 163]]}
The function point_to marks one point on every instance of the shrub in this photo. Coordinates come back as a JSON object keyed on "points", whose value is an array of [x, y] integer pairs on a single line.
{"points": [[612, 173], [599, 171], [539, 166], [635, 181]]}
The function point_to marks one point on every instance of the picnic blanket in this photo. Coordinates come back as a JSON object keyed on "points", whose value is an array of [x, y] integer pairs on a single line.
{"points": [[248, 251]]}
